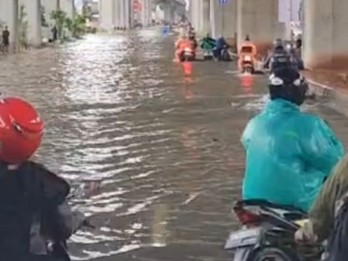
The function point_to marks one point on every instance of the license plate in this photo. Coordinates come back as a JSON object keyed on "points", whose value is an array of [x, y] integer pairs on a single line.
{"points": [[243, 238], [247, 58]]}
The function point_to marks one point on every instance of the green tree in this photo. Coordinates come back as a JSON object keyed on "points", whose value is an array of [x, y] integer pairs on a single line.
{"points": [[78, 26], [59, 17]]}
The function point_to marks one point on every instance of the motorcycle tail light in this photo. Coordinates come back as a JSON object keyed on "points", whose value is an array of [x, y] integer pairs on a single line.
{"points": [[247, 58], [247, 217]]}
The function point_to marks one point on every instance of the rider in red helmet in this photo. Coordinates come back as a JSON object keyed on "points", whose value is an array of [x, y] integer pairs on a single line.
{"points": [[28, 191]]}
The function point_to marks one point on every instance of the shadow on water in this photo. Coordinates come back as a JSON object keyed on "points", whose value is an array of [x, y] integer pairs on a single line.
{"points": [[162, 138]]}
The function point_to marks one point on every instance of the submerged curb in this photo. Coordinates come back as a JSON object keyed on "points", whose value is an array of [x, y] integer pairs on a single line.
{"points": [[336, 99]]}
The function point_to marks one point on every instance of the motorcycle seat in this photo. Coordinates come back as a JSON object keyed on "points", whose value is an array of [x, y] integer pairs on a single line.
{"points": [[290, 212]]}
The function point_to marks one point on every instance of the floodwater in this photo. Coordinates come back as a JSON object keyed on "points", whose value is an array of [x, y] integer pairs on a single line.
{"points": [[161, 138]]}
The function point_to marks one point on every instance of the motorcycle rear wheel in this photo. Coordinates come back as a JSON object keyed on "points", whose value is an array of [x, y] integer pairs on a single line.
{"points": [[273, 254]]}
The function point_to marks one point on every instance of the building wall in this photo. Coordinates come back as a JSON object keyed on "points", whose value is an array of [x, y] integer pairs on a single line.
{"points": [[289, 10]]}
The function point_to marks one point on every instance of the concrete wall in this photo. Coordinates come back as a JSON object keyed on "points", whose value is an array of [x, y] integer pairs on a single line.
{"points": [[68, 6], [49, 6], [9, 17], [325, 33], [259, 20], [146, 12], [106, 12], [223, 18], [289, 10], [31, 9]]}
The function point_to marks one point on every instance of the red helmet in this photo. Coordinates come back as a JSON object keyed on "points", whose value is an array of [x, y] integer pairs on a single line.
{"points": [[21, 130]]}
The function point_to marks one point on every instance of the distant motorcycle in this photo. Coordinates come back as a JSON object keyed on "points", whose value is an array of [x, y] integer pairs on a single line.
{"points": [[188, 55], [208, 54], [225, 55], [248, 64], [267, 233]]}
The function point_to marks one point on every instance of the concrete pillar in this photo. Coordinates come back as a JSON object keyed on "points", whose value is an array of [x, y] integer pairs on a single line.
{"points": [[205, 23], [123, 16], [68, 6], [146, 12], [106, 12], [325, 38], [49, 6], [169, 13], [223, 18], [259, 20], [201, 16], [129, 13], [9, 17], [117, 13], [196, 14], [31, 8]]}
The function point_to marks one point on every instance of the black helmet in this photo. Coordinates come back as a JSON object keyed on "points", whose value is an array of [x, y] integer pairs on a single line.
{"points": [[278, 43], [288, 84]]}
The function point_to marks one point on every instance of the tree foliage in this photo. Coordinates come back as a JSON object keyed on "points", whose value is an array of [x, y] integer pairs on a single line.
{"points": [[76, 26]]}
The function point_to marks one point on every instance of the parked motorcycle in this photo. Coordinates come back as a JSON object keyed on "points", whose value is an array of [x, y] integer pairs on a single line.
{"points": [[268, 234]]}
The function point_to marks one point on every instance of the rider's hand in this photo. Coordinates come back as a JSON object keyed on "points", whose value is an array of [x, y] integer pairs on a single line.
{"points": [[306, 234]]}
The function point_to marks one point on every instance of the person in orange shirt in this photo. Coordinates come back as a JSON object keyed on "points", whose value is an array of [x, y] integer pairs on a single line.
{"points": [[247, 48], [180, 45]]}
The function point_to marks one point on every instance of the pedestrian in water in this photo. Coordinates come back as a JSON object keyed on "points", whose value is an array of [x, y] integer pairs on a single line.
{"points": [[54, 34], [6, 39]]}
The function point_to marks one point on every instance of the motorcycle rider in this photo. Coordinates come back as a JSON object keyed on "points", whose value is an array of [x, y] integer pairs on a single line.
{"points": [[247, 48], [279, 57], [328, 218], [289, 153], [28, 191], [295, 57], [180, 45], [192, 38], [220, 45], [208, 43]]}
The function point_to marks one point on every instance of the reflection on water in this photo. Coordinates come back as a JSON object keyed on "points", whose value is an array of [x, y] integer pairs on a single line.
{"points": [[161, 139]]}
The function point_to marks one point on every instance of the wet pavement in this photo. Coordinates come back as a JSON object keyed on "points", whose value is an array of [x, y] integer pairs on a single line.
{"points": [[164, 146]]}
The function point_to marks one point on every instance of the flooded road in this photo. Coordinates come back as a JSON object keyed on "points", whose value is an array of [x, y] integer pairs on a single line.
{"points": [[164, 146]]}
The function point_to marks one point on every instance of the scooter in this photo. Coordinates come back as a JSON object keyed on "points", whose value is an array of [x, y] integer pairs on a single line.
{"points": [[267, 233], [45, 237], [247, 64], [225, 55], [188, 55], [208, 55]]}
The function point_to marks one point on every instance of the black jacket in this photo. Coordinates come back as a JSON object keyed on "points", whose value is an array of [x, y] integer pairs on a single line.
{"points": [[337, 243], [28, 194], [279, 57]]}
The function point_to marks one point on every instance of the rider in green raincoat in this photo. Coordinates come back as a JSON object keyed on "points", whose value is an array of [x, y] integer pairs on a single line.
{"points": [[208, 43], [289, 153]]}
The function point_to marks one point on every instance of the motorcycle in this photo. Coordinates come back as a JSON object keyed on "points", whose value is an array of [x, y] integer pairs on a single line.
{"points": [[188, 55], [208, 55], [45, 237], [247, 64], [225, 55], [268, 234]]}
